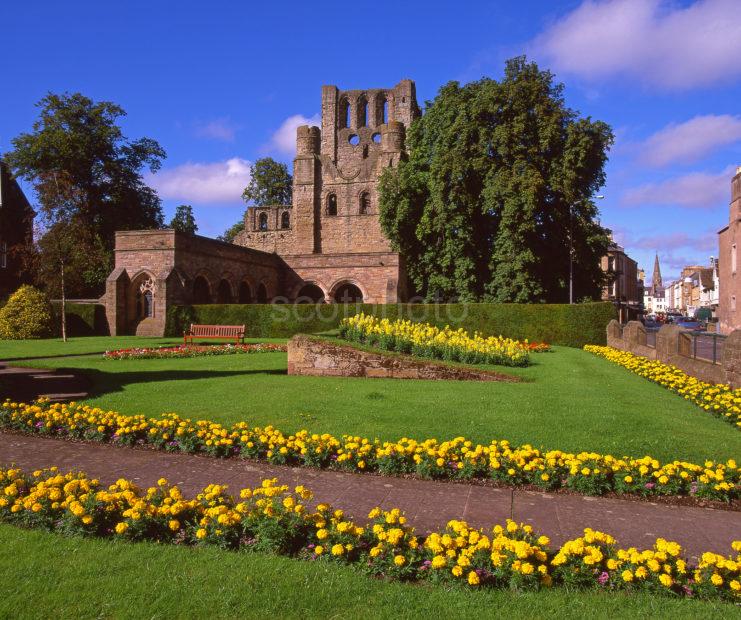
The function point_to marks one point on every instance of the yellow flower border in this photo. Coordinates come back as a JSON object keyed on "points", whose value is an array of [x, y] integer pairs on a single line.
{"points": [[718, 399], [457, 459], [274, 518]]}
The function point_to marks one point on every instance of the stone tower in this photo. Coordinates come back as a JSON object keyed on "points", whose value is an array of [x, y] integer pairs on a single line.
{"points": [[656, 284], [335, 197]]}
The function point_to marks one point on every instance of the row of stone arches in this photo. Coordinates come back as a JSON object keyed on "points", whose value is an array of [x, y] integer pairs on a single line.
{"points": [[362, 112], [364, 203], [224, 293], [344, 291]]}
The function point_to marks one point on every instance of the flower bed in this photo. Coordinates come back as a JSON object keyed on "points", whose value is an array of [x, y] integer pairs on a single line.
{"points": [[718, 399], [458, 459], [273, 518], [191, 351], [427, 340]]}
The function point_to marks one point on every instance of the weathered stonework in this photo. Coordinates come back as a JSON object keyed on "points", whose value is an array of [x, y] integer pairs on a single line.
{"points": [[328, 245], [321, 358], [673, 347]]}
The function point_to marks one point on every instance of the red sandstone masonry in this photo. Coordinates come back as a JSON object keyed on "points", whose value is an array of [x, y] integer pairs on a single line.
{"points": [[321, 358]]}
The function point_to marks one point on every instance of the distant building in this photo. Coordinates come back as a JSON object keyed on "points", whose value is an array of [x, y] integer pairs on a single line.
{"points": [[16, 232], [622, 289], [729, 240]]}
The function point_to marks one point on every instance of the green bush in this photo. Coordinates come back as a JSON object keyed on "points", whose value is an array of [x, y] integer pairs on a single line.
{"points": [[27, 314], [83, 319], [559, 324]]}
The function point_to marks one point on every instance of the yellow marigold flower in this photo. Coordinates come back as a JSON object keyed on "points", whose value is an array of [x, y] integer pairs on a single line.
{"points": [[399, 560], [319, 550], [473, 578], [338, 549], [201, 533], [457, 571], [173, 524], [627, 576], [121, 527]]}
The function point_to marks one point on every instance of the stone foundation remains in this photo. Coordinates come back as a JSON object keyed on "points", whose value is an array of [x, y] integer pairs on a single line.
{"points": [[321, 358]]}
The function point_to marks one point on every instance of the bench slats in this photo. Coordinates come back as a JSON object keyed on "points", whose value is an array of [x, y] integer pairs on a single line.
{"points": [[214, 331]]}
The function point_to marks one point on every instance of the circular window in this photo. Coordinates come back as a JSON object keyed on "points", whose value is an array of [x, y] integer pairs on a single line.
{"points": [[354, 139], [377, 138]]}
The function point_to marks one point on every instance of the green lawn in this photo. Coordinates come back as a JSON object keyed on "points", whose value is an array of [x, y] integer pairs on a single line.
{"points": [[571, 400], [46, 575]]}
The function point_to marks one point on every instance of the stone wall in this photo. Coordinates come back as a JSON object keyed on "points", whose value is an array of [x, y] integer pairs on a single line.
{"points": [[673, 347], [321, 358]]}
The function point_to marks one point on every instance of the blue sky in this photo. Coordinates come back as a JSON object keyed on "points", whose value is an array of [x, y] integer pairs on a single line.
{"points": [[220, 84]]}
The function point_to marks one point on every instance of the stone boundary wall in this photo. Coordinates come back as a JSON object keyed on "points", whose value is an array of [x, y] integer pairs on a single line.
{"points": [[321, 358], [632, 338]]}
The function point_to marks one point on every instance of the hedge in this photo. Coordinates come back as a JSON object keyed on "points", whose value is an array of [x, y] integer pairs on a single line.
{"points": [[83, 319], [559, 324]]}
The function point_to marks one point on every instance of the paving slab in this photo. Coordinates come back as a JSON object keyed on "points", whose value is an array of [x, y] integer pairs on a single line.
{"points": [[429, 504]]}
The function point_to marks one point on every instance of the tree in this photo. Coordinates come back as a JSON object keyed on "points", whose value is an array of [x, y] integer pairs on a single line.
{"points": [[184, 221], [231, 232], [270, 184], [86, 173], [500, 175]]}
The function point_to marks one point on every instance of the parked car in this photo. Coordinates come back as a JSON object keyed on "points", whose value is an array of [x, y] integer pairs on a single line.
{"points": [[690, 324]]}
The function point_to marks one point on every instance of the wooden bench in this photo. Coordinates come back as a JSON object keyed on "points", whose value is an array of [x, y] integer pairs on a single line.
{"points": [[227, 332]]}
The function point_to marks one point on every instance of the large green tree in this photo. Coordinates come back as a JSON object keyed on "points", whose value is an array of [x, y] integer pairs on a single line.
{"points": [[270, 184], [184, 220], [87, 176], [500, 177]]}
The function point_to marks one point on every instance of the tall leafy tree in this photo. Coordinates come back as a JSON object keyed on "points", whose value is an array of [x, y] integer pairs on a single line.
{"points": [[270, 184], [499, 179], [87, 175], [184, 220]]}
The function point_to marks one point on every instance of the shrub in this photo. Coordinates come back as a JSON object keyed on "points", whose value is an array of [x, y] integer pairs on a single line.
{"points": [[83, 319], [560, 324], [26, 315]]}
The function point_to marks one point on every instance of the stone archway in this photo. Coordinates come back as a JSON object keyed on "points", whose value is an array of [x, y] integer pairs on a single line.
{"points": [[347, 293], [201, 291], [262, 293], [140, 300], [310, 293], [224, 292], [244, 295]]}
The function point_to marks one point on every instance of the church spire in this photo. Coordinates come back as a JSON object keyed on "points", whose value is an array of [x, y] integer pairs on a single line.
{"points": [[656, 284]]}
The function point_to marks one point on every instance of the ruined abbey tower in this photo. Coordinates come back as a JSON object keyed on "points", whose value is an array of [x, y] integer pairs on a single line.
{"points": [[331, 234], [325, 247]]}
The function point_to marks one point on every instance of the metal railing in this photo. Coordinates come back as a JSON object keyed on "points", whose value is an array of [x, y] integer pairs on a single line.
{"points": [[702, 346], [651, 336]]}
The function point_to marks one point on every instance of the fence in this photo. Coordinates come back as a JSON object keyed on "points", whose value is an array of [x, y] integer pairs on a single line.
{"points": [[702, 345]]}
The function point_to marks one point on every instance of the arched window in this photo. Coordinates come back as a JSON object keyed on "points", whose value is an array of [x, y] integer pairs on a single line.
{"points": [[332, 204], [201, 291], [362, 112], [285, 220], [364, 207], [262, 294], [224, 293], [262, 221], [344, 113], [148, 304], [382, 110], [310, 294], [348, 293], [245, 294]]}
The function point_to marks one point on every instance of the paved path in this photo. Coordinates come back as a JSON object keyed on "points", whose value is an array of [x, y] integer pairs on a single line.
{"points": [[27, 384], [428, 504]]}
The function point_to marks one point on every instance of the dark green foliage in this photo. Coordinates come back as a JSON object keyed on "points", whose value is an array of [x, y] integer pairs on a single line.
{"points": [[559, 324], [184, 221], [499, 174], [270, 184], [231, 232], [82, 319], [86, 173]]}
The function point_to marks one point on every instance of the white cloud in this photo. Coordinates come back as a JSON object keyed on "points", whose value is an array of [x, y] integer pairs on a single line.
{"points": [[218, 129], [691, 140], [658, 42], [284, 139], [698, 190], [216, 182]]}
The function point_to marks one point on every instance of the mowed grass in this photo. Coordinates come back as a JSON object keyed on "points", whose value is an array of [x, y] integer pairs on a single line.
{"points": [[572, 400], [49, 576]]}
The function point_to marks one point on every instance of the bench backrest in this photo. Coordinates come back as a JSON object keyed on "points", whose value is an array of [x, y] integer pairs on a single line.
{"points": [[217, 330]]}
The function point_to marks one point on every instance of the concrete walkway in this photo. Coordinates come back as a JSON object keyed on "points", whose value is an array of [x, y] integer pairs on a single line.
{"points": [[428, 504]]}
